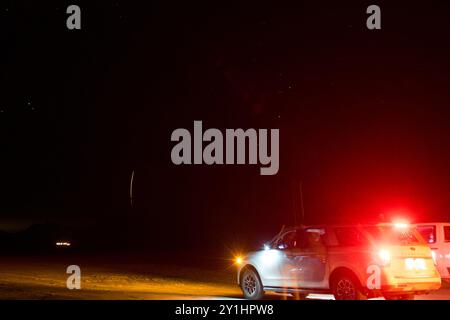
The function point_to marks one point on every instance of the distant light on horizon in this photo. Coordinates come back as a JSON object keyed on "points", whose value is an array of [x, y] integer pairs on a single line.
{"points": [[63, 244]]}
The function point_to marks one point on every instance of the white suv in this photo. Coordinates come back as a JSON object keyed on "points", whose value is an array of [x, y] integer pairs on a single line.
{"points": [[342, 260], [437, 235]]}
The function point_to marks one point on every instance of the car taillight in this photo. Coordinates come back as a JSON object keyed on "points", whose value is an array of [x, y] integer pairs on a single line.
{"points": [[384, 256]]}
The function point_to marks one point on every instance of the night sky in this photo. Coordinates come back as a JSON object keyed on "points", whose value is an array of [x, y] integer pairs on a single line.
{"points": [[364, 115]]}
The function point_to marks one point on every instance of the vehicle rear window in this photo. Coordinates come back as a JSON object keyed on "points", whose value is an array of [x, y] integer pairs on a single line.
{"points": [[349, 236], [428, 233], [390, 234], [447, 233]]}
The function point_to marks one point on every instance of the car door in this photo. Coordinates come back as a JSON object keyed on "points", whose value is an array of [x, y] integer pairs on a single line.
{"points": [[305, 263], [275, 260], [270, 261]]}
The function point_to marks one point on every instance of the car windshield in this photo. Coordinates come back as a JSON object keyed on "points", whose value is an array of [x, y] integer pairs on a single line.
{"points": [[394, 235]]}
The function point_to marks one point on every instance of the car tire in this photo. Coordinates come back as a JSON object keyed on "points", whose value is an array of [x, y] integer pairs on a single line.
{"points": [[346, 287], [251, 285]]}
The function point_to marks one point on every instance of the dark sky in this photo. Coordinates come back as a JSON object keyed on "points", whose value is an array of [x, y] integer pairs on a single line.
{"points": [[364, 116]]}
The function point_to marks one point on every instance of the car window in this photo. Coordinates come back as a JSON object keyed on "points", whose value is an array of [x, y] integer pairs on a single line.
{"points": [[447, 233], [428, 233], [393, 235], [350, 236], [288, 241], [311, 238]]}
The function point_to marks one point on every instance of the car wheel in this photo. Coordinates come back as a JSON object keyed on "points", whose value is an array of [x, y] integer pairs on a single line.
{"points": [[346, 287], [251, 285]]}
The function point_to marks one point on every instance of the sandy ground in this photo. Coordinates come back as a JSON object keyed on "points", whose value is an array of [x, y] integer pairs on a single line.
{"points": [[37, 278], [45, 278]]}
